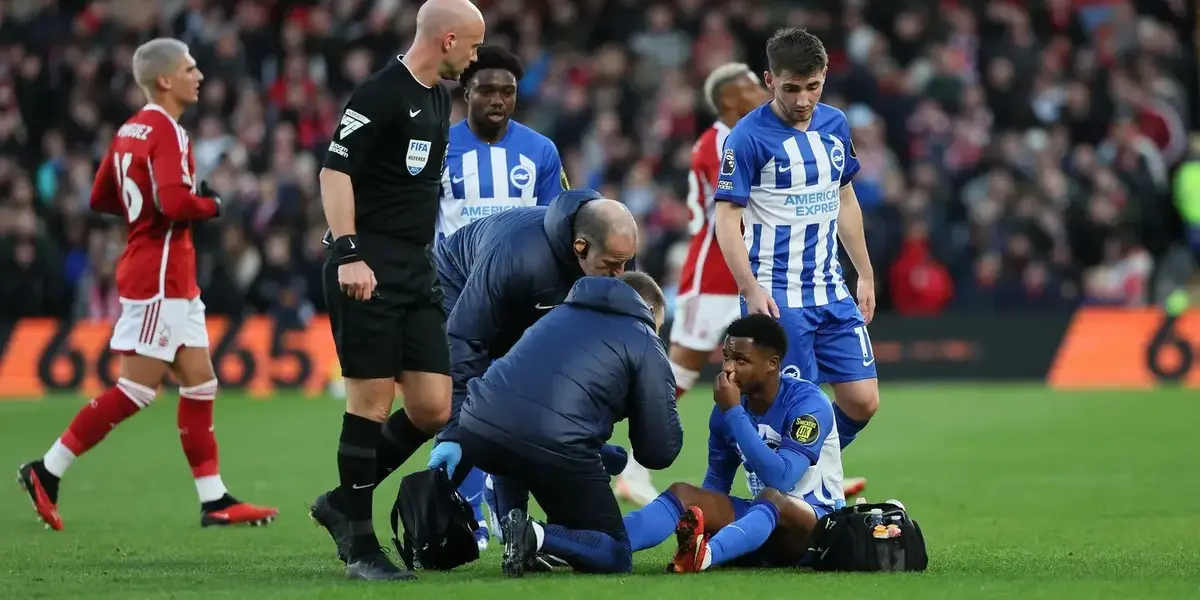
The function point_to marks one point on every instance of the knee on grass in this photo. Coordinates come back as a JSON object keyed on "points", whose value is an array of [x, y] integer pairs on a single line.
{"points": [[618, 561], [623, 560]]}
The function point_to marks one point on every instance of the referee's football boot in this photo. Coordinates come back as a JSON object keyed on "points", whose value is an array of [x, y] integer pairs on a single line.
{"points": [[520, 543], [371, 564], [334, 521]]}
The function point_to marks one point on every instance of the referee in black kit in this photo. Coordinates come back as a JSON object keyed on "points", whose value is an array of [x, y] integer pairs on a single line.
{"points": [[379, 187]]}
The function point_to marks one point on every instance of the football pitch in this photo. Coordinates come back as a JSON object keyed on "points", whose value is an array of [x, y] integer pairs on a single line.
{"points": [[1022, 493]]}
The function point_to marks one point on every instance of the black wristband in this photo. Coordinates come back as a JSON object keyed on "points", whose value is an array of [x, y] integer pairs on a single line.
{"points": [[345, 250]]}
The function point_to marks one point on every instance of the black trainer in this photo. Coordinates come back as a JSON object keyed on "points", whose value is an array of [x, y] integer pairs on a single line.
{"points": [[374, 565], [334, 521], [520, 543]]}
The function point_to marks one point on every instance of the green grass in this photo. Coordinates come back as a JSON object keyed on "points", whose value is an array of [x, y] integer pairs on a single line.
{"points": [[1022, 493]]}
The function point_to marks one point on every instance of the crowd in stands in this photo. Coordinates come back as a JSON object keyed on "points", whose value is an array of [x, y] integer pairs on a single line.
{"points": [[1016, 154]]}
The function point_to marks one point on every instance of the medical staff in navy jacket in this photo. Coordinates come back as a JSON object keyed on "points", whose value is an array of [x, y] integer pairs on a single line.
{"points": [[538, 418], [503, 273]]}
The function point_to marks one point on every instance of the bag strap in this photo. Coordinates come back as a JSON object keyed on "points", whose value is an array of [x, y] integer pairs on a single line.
{"points": [[403, 548]]}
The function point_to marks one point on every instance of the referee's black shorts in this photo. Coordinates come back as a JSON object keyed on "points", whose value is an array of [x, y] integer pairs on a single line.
{"points": [[579, 498], [402, 328]]}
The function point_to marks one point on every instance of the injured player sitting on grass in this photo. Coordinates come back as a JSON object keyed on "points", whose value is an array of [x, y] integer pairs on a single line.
{"points": [[782, 430]]}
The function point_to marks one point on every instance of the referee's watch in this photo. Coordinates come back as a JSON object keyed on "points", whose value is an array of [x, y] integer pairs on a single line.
{"points": [[345, 250]]}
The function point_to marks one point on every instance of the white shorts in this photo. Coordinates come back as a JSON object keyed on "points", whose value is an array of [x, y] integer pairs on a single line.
{"points": [[701, 320], [158, 329]]}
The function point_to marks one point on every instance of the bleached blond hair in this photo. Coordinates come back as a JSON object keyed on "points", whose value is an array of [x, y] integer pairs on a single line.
{"points": [[156, 58], [719, 77]]}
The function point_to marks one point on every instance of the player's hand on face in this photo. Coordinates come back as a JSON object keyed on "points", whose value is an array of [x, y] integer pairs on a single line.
{"points": [[866, 298], [759, 302], [725, 391], [357, 280]]}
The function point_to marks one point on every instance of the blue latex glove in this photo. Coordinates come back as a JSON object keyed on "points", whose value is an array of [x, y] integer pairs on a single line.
{"points": [[614, 459], [445, 455]]}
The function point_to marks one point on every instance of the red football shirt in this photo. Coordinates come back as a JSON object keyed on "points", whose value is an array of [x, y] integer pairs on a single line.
{"points": [[147, 176], [704, 270]]}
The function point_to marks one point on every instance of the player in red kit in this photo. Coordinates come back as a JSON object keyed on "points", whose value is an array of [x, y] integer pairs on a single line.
{"points": [[147, 178], [708, 295]]}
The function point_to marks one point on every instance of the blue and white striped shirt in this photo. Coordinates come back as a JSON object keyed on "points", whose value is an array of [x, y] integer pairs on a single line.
{"points": [[481, 179], [790, 182]]}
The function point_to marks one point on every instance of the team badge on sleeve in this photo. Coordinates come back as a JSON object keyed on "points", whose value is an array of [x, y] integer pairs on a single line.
{"points": [[728, 164], [837, 159], [805, 429], [351, 121]]}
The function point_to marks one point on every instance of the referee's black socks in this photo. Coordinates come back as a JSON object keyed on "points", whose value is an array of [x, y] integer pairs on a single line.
{"points": [[356, 470], [400, 440]]}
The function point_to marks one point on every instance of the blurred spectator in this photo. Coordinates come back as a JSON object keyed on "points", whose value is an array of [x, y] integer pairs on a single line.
{"points": [[920, 284], [1016, 155]]}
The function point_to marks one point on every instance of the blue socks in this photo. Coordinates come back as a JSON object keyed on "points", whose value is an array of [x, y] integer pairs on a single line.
{"points": [[472, 490], [653, 524], [744, 535], [656, 522], [587, 551], [847, 428]]}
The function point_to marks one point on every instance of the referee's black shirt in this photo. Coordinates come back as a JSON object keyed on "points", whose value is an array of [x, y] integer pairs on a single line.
{"points": [[392, 141]]}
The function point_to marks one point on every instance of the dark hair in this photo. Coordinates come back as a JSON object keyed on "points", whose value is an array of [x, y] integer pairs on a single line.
{"points": [[492, 57], [763, 330], [796, 50], [647, 288]]}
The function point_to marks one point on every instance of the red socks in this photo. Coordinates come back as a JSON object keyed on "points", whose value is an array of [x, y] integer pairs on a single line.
{"points": [[106, 411], [685, 379], [195, 422], [93, 422], [98, 417]]}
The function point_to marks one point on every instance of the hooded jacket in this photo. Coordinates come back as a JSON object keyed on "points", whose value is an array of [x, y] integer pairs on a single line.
{"points": [[499, 276], [588, 364]]}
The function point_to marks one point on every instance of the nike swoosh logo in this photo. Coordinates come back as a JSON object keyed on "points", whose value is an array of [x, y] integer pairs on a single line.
{"points": [[363, 486], [867, 363], [413, 113], [783, 169], [541, 307], [457, 180]]}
